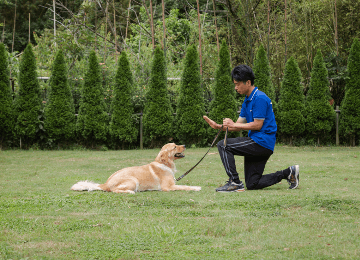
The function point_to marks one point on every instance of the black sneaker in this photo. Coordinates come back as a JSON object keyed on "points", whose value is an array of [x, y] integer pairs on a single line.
{"points": [[293, 178], [231, 186]]}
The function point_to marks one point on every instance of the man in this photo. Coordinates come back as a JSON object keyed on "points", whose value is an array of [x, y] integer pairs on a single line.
{"points": [[257, 116]]}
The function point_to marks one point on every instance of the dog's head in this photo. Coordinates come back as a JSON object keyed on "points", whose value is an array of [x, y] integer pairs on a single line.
{"points": [[169, 153]]}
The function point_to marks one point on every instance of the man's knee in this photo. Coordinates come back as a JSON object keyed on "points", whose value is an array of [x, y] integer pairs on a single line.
{"points": [[220, 144], [252, 185]]}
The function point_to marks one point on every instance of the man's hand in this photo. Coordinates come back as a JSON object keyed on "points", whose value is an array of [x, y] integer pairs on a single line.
{"points": [[227, 122], [212, 123]]}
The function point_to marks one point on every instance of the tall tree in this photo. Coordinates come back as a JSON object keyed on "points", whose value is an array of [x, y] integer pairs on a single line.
{"points": [[28, 102], [320, 116], [224, 104], [263, 79], [158, 113], [350, 107], [6, 106], [59, 111], [190, 126], [92, 121], [122, 128], [291, 103]]}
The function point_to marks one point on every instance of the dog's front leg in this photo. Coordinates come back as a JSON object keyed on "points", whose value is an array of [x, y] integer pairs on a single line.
{"points": [[184, 187]]}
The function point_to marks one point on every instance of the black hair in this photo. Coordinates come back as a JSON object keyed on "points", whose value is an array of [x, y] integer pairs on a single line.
{"points": [[243, 73]]}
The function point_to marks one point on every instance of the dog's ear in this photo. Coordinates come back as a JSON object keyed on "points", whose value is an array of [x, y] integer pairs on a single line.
{"points": [[162, 157]]}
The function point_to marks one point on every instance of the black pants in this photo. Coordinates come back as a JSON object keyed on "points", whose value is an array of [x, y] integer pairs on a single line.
{"points": [[255, 158]]}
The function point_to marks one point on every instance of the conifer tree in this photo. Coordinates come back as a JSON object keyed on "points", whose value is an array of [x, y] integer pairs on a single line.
{"points": [[262, 73], [122, 128], [92, 121], [190, 125], [320, 116], [28, 103], [291, 103], [59, 110], [350, 106], [224, 104], [158, 113], [6, 106]]}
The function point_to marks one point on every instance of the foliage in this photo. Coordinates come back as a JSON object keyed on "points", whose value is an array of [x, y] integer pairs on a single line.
{"points": [[223, 104], [190, 126], [122, 128], [92, 121], [158, 113], [28, 103], [59, 111], [263, 79], [337, 72], [320, 116], [291, 103], [6, 104], [350, 107]]}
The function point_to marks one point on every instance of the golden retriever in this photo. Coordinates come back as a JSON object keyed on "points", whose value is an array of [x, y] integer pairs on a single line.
{"points": [[158, 175]]}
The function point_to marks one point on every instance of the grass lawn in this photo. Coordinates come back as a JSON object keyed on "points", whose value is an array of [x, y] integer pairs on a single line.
{"points": [[40, 218]]}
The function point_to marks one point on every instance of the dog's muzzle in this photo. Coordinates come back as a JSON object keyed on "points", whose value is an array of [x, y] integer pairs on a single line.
{"points": [[179, 155]]}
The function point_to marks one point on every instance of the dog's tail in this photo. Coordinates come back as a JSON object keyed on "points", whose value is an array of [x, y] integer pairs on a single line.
{"points": [[86, 185]]}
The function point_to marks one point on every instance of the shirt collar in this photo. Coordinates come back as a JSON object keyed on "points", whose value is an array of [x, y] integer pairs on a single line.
{"points": [[251, 95]]}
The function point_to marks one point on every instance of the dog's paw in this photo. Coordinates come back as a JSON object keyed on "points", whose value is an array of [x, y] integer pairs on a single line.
{"points": [[197, 188]]}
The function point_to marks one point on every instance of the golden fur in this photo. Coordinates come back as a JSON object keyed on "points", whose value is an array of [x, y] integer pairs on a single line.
{"points": [[158, 175]]}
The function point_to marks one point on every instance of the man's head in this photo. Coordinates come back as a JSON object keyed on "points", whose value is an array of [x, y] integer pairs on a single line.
{"points": [[243, 78], [243, 73]]}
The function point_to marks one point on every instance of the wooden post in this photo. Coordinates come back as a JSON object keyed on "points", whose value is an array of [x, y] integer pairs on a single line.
{"points": [[127, 21], [285, 34], [141, 130], [336, 32], [152, 24], [268, 45], [95, 25], [217, 36], [29, 27], [198, 11], [115, 32], [106, 22], [337, 124], [54, 22], [12, 47], [164, 26]]}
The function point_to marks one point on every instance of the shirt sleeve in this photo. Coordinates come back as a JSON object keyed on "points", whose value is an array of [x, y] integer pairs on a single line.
{"points": [[260, 108], [242, 112]]}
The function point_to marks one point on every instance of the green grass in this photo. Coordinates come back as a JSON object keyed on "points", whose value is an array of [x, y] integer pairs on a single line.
{"points": [[40, 218]]}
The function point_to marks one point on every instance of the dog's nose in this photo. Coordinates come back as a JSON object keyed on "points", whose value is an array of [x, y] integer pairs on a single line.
{"points": [[184, 146]]}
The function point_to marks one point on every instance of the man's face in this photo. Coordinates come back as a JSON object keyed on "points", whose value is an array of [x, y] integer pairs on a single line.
{"points": [[241, 87]]}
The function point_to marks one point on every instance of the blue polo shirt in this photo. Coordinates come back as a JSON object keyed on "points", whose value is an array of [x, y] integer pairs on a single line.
{"points": [[259, 106]]}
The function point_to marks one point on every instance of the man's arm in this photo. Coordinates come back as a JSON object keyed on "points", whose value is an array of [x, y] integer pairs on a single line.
{"points": [[239, 125]]}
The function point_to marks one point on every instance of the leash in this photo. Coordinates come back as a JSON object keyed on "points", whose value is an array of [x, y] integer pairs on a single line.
{"points": [[217, 135]]}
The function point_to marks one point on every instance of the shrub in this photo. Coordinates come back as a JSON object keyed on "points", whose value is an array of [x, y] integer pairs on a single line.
{"points": [[291, 103], [122, 128], [59, 110], [6, 106], [190, 125], [28, 103], [223, 104], [158, 113], [262, 73], [320, 116], [92, 121], [350, 106]]}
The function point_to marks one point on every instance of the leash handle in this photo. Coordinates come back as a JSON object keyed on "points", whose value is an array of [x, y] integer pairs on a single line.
{"points": [[212, 144]]}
